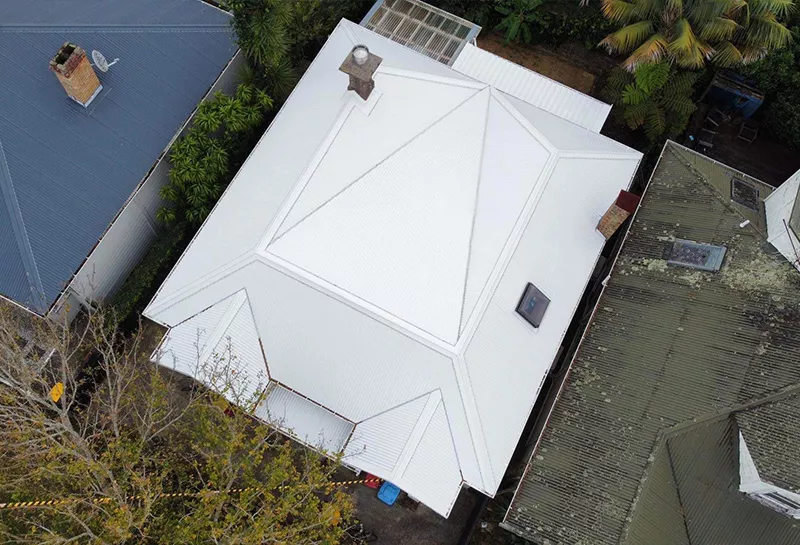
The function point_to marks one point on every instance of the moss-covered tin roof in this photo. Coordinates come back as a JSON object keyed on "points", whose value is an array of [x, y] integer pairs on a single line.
{"points": [[668, 347], [772, 434]]}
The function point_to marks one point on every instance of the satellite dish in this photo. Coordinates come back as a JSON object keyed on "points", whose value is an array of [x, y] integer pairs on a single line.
{"points": [[100, 61]]}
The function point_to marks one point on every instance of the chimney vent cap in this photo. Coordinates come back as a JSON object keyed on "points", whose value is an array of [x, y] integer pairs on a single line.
{"points": [[360, 54]]}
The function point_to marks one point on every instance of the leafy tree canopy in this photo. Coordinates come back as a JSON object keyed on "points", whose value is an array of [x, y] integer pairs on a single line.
{"points": [[145, 432]]}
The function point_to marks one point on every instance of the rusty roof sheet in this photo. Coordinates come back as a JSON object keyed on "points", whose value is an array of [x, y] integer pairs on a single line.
{"points": [[667, 346]]}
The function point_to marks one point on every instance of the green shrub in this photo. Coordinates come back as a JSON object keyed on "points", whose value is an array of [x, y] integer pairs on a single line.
{"points": [[142, 283]]}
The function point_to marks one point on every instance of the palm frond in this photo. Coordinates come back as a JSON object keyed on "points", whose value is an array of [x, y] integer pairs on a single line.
{"points": [[619, 10], [765, 31], [718, 28], [628, 37], [781, 8], [726, 55], [652, 50]]}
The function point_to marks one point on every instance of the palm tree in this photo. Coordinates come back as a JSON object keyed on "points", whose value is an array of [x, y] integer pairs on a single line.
{"points": [[692, 32]]}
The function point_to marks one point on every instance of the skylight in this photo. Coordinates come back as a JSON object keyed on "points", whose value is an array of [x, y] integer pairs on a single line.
{"points": [[744, 194], [706, 257], [421, 27], [532, 305]]}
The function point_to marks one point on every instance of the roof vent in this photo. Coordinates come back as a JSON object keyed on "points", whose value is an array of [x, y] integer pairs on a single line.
{"points": [[76, 74], [361, 65], [617, 213]]}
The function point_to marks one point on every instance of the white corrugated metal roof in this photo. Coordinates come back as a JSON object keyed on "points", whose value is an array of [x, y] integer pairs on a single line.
{"points": [[779, 205], [383, 264], [303, 419], [536, 89]]}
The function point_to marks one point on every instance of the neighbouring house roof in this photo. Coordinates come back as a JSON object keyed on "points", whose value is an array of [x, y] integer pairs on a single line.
{"points": [[642, 443], [377, 250], [66, 170], [773, 440]]}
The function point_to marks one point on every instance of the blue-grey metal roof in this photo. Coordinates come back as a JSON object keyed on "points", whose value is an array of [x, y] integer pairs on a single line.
{"points": [[65, 170]]}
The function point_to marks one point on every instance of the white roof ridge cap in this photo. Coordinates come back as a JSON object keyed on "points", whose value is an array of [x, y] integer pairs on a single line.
{"points": [[474, 424], [523, 121], [471, 324], [218, 274], [414, 74], [414, 439], [239, 298], [474, 215]]}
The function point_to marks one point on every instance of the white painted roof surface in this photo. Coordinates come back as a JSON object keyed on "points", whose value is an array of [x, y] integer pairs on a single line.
{"points": [[536, 89], [779, 205], [304, 420], [383, 247]]}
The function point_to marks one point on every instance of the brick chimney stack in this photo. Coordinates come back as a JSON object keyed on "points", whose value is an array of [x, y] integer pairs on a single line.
{"points": [[361, 65], [624, 206], [76, 74]]}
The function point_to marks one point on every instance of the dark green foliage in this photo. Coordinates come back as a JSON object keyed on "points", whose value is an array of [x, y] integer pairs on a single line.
{"points": [[518, 19], [554, 21], [313, 20], [778, 76], [201, 159], [141, 284], [480, 12], [656, 98]]}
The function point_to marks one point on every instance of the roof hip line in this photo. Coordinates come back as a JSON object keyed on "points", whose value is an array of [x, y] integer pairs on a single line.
{"points": [[9, 197]]}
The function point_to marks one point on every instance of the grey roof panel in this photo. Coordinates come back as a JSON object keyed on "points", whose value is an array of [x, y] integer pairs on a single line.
{"points": [[73, 168]]}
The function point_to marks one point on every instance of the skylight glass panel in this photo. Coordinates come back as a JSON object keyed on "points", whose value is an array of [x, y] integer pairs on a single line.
{"points": [[532, 305], [421, 27], [706, 257]]}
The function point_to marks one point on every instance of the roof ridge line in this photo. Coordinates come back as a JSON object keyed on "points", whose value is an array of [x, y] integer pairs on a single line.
{"points": [[474, 215], [373, 167], [417, 433], [412, 400], [9, 197]]}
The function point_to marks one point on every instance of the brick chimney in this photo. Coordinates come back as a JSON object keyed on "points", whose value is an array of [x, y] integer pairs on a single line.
{"points": [[361, 65], [623, 207], [76, 74]]}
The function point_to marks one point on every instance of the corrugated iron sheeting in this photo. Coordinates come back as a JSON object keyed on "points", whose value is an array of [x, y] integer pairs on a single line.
{"points": [[531, 87], [72, 168], [705, 460], [667, 344], [774, 445]]}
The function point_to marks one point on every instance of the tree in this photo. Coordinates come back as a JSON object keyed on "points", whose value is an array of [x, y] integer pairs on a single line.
{"points": [[262, 32], [518, 16], [201, 159], [114, 438], [693, 32], [656, 98]]}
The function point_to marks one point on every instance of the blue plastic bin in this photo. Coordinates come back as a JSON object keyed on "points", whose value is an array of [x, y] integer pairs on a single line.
{"points": [[388, 493]]}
